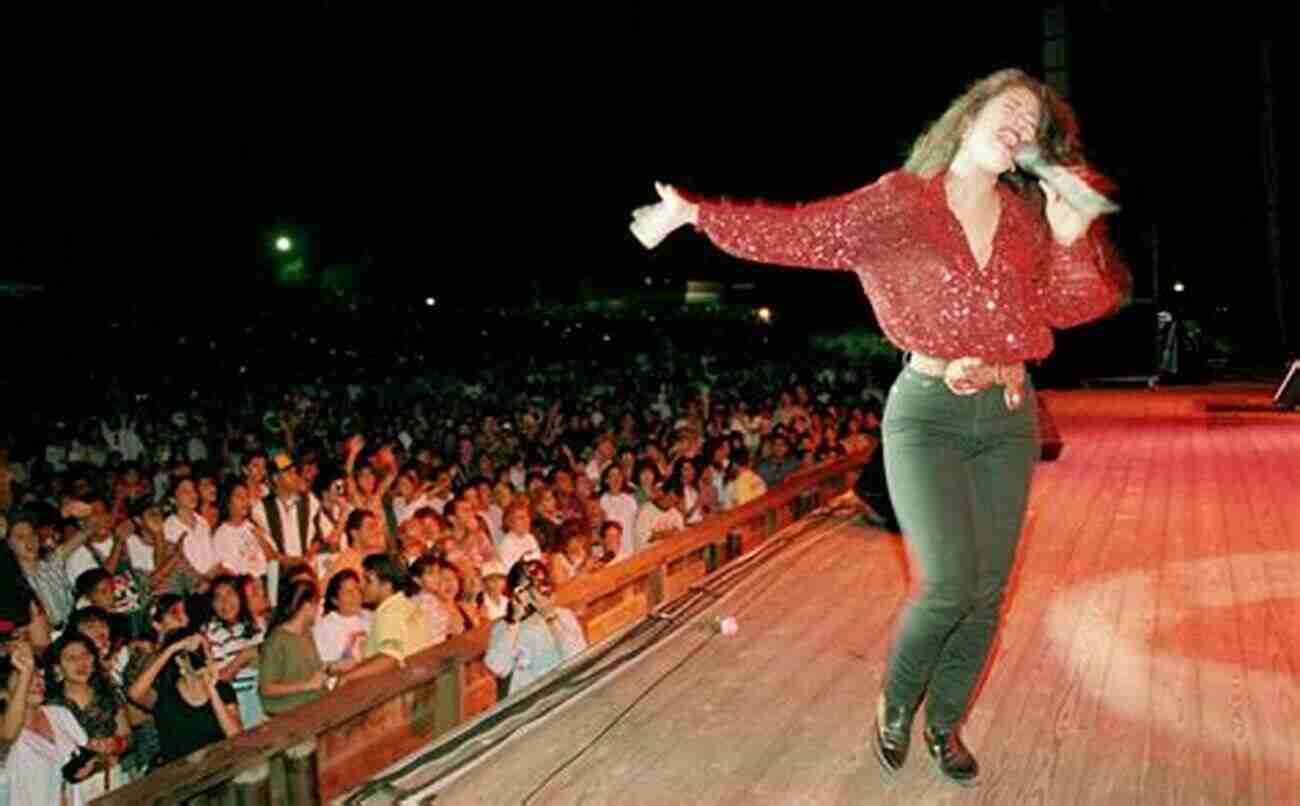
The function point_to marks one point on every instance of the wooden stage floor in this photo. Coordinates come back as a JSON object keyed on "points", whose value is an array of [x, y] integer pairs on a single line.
{"points": [[1149, 652]]}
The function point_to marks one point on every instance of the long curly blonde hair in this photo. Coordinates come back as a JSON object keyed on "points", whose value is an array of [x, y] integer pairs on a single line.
{"points": [[1058, 130]]}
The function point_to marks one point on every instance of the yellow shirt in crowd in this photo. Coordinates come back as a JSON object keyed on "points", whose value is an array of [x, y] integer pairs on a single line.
{"points": [[400, 629]]}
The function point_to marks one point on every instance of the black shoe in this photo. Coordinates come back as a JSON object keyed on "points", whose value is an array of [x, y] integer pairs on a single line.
{"points": [[951, 758], [893, 736]]}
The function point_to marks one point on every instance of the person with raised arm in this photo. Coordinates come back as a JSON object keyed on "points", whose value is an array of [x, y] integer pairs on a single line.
{"points": [[969, 265]]}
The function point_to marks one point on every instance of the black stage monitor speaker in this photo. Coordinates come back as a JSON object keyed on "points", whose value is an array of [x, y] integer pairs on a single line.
{"points": [[1288, 392]]}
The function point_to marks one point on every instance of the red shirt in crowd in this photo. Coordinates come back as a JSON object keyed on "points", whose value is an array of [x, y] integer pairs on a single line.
{"points": [[912, 257]]}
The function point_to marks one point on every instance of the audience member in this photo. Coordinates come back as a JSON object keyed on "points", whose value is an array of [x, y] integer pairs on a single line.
{"points": [[535, 636], [290, 670]]}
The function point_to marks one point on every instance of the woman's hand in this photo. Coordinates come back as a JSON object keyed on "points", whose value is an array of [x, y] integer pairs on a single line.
{"points": [[1067, 222], [318, 681], [191, 643], [341, 667], [22, 659], [356, 645], [106, 746], [210, 677], [87, 769], [654, 222]]}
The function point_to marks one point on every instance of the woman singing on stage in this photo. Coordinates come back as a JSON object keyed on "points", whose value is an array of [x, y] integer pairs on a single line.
{"points": [[969, 264]]}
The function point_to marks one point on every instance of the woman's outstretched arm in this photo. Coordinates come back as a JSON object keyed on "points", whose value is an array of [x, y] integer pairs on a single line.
{"points": [[830, 234]]}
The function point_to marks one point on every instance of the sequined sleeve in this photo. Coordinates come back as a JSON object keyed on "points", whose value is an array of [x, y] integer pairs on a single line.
{"points": [[1087, 280], [834, 233]]}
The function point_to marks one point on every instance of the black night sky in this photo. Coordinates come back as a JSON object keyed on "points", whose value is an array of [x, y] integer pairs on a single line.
{"points": [[466, 154]]}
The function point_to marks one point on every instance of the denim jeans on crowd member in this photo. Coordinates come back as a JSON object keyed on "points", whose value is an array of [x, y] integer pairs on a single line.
{"points": [[958, 470]]}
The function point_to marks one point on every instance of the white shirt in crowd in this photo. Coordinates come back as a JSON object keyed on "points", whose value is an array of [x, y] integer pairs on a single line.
{"points": [[495, 608], [689, 497], [439, 620], [195, 540], [35, 764], [140, 554], [84, 559], [123, 439], [329, 520], [440, 503], [652, 520], [595, 468], [511, 547], [404, 510], [227, 641], [340, 637], [295, 544], [239, 549], [622, 508], [494, 516], [723, 490]]}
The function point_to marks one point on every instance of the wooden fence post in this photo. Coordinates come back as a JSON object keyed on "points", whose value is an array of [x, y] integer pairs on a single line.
{"points": [[655, 587], [449, 709], [300, 774], [253, 786]]}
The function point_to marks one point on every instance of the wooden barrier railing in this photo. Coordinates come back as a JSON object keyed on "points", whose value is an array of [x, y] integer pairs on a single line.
{"points": [[353, 733]]}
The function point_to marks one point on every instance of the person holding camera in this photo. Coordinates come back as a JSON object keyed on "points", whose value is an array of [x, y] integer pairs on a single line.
{"points": [[535, 636]]}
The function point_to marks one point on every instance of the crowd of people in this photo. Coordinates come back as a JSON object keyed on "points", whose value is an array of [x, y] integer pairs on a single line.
{"points": [[190, 576]]}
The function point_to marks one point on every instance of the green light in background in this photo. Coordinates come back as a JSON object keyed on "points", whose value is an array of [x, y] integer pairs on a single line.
{"points": [[283, 244], [292, 273]]}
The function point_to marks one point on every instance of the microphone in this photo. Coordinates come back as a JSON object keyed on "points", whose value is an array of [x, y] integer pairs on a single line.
{"points": [[1072, 187]]}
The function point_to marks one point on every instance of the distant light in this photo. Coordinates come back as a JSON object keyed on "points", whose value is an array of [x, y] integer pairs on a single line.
{"points": [[283, 244], [606, 337], [429, 301], [765, 314], [1179, 288], [649, 280]]}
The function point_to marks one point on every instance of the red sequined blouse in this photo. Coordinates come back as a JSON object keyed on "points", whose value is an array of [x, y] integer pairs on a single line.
{"points": [[915, 264]]}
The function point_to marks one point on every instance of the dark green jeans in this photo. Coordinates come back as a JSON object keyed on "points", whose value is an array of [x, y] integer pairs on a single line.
{"points": [[958, 470]]}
